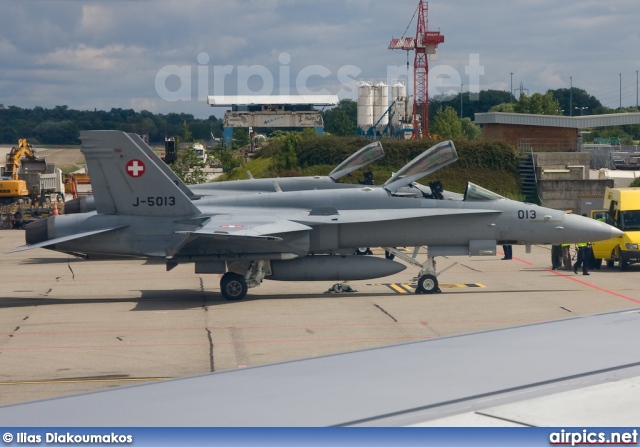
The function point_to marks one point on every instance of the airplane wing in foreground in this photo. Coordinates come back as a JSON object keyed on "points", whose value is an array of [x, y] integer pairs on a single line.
{"points": [[472, 379]]}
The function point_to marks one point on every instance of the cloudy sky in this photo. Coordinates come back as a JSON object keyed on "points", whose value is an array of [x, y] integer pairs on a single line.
{"points": [[167, 55]]}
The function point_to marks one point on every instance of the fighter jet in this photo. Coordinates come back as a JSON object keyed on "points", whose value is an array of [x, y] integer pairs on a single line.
{"points": [[291, 236], [363, 157]]}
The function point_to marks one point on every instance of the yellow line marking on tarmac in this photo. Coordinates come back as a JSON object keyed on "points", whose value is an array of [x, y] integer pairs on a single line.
{"points": [[409, 288], [52, 381], [380, 251], [397, 288]]}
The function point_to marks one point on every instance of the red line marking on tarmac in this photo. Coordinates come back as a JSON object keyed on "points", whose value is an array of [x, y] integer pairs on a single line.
{"points": [[516, 259], [610, 292]]}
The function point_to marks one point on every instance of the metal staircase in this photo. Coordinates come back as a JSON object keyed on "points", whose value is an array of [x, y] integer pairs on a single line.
{"points": [[528, 181]]}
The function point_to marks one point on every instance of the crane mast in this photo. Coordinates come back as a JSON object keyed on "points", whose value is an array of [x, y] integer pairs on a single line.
{"points": [[425, 42]]}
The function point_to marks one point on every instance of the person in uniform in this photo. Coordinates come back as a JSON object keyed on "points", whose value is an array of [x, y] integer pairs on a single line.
{"points": [[556, 257], [583, 260], [566, 256], [508, 252]]}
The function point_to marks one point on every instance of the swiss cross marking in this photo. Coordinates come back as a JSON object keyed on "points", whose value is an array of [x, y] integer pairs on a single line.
{"points": [[135, 168]]}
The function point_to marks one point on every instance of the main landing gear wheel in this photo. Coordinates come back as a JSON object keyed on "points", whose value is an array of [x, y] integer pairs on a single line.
{"points": [[363, 251], [233, 286], [388, 255], [428, 283]]}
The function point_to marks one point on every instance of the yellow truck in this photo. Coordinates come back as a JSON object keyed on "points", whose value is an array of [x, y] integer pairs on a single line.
{"points": [[622, 210]]}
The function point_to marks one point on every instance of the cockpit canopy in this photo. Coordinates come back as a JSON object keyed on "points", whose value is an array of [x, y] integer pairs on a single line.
{"points": [[366, 155], [475, 193], [434, 158]]}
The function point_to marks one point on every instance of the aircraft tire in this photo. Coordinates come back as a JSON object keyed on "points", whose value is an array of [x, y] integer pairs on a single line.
{"points": [[361, 251], [233, 286], [427, 283], [388, 255]]}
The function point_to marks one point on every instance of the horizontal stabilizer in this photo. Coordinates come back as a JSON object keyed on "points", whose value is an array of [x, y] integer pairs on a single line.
{"points": [[62, 239]]}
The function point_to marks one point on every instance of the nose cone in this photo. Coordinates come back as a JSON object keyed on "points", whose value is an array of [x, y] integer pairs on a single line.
{"points": [[583, 229]]}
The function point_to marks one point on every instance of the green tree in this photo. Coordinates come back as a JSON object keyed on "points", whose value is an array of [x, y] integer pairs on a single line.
{"points": [[229, 159], [505, 107], [240, 138], [447, 124], [538, 104], [188, 167], [577, 98], [342, 119], [470, 129], [288, 158], [472, 103], [186, 132]]}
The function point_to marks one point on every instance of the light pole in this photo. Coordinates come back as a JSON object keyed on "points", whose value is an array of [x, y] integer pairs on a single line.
{"points": [[582, 109], [620, 90], [511, 91], [570, 95], [461, 100]]}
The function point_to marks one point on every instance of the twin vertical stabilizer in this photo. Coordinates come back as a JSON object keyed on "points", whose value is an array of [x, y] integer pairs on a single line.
{"points": [[127, 181]]}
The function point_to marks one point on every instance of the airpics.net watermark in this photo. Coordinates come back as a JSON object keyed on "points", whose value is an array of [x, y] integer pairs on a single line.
{"points": [[174, 82]]}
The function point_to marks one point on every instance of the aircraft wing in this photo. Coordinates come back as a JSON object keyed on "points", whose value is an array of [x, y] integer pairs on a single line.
{"points": [[362, 216], [475, 379], [242, 234], [241, 228]]}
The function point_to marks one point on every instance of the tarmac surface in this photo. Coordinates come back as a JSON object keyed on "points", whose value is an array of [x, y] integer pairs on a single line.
{"points": [[61, 156], [68, 325]]}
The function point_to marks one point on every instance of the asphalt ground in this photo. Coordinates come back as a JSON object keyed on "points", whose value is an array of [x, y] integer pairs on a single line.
{"points": [[69, 326], [61, 156]]}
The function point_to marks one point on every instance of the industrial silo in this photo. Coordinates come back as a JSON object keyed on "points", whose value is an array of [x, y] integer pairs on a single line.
{"points": [[399, 95], [380, 105], [365, 106]]}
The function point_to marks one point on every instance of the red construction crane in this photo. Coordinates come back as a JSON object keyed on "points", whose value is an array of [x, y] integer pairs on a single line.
{"points": [[424, 43]]}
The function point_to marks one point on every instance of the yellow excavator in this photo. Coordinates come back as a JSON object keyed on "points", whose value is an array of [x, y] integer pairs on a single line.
{"points": [[13, 189]]}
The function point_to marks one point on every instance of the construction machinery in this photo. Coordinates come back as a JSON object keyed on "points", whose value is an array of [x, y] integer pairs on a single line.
{"points": [[12, 188], [28, 186], [30, 176]]}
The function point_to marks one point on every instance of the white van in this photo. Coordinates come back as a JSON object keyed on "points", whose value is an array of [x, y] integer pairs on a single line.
{"points": [[201, 151]]}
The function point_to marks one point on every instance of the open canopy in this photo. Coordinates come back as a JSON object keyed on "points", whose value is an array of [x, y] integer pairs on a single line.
{"points": [[429, 161], [366, 155]]}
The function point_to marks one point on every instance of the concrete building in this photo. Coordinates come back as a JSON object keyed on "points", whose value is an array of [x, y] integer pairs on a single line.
{"points": [[546, 132]]}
